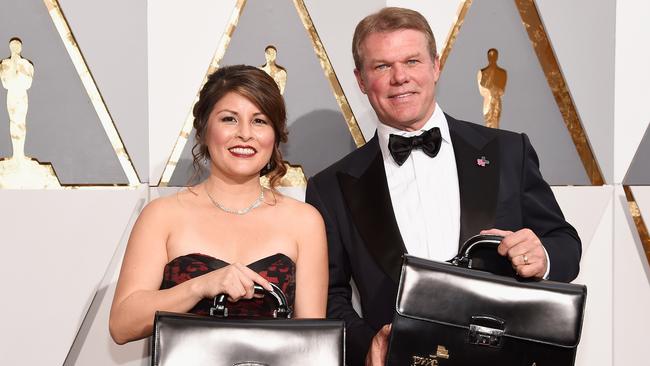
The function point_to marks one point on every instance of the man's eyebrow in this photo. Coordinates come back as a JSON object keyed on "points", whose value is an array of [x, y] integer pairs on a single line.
{"points": [[407, 57], [414, 55]]}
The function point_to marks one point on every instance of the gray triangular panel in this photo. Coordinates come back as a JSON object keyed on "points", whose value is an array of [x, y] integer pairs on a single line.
{"points": [[639, 172], [112, 50], [528, 103], [318, 133], [62, 125]]}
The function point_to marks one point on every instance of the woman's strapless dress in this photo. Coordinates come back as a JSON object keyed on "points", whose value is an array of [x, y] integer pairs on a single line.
{"points": [[277, 268]]}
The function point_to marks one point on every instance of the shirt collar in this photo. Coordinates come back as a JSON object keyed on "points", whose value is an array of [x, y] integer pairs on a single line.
{"points": [[437, 119]]}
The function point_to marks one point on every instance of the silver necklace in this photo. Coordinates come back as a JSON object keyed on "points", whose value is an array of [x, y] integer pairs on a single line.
{"points": [[243, 211]]}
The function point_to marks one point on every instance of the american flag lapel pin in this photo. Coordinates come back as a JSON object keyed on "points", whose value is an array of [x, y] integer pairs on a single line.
{"points": [[482, 162]]}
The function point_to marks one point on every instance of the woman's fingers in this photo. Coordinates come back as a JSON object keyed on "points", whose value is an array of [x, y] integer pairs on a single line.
{"points": [[254, 276], [239, 282]]}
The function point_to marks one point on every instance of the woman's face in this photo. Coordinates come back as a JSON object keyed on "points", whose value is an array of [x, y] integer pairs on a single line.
{"points": [[239, 136]]}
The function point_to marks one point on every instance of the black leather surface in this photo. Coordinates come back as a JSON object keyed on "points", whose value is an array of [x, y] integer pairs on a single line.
{"points": [[416, 338], [437, 303]]}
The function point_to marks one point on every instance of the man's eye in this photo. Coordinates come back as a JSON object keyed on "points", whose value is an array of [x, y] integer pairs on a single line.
{"points": [[381, 67], [413, 62]]}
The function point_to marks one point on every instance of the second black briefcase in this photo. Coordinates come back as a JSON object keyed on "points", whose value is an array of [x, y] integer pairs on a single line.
{"points": [[449, 315]]}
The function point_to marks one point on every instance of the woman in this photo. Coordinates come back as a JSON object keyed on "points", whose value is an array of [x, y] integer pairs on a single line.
{"points": [[228, 232]]}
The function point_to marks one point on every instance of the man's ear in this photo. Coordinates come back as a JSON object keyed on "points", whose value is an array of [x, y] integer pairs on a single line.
{"points": [[359, 77], [436, 68]]}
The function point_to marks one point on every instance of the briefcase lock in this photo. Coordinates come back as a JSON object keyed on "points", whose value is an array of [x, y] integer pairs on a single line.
{"points": [[488, 332]]}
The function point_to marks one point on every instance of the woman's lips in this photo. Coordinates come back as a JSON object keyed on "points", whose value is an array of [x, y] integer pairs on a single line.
{"points": [[242, 151]]}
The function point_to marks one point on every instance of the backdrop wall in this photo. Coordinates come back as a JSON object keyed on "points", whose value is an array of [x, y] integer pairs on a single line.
{"points": [[62, 249]]}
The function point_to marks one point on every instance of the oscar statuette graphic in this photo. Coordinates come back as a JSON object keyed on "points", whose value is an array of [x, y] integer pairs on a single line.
{"points": [[295, 176], [492, 81], [278, 73], [20, 171]]}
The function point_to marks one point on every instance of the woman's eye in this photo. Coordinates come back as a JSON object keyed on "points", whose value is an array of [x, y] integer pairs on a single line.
{"points": [[259, 121], [229, 119]]}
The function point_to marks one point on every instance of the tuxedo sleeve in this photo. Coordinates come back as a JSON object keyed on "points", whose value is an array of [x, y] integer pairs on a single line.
{"points": [[339, 301], [542, 214]]}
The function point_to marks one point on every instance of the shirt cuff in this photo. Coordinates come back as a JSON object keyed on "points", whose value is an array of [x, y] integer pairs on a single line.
{"points": [[548, 265]]}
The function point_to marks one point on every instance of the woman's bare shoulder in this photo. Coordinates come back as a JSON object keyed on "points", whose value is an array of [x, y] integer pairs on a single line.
{"points": [[169, 207], [298, 212]]}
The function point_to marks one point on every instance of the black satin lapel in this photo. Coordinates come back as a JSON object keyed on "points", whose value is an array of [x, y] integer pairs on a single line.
{"points": [[478, 185], [372, 212]]}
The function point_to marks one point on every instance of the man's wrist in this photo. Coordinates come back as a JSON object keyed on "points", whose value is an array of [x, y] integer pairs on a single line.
{"points": [[548, 264]]}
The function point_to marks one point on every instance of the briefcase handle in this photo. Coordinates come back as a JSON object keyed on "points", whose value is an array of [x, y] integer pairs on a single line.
{"points": [[282, 310], [480, 252]]}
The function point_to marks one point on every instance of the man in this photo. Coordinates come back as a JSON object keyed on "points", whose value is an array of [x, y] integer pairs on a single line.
{"points": [[459, 179]]}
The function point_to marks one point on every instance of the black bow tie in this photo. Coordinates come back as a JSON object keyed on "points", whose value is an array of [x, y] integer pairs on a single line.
{"points": [[400, 147]]}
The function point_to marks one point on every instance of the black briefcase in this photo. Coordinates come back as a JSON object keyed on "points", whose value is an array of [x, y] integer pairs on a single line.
{"points": [[217, 340], [455, 314]]}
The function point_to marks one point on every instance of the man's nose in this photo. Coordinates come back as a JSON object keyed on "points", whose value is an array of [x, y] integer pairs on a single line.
{"points": [[399, 74]]}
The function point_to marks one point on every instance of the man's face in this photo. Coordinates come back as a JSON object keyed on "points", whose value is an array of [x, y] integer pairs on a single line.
{"points": [[399, 77]]}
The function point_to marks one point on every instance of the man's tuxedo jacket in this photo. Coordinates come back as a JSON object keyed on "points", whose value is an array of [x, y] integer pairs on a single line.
{"points": [[364, 240]]}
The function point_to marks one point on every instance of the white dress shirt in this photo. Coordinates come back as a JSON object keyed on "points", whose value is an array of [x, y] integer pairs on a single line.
{"points": [[424, 193]]}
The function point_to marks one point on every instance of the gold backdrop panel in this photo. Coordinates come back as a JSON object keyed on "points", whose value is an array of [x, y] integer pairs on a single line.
{"points": [[453, 34], [539, 39], [640, 224]]}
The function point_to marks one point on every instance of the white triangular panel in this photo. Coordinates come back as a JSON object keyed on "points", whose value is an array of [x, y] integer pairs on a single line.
{"points": [[183, 38], [631, 288], [93, 345], [596, 273], [632, 79], [584, 207], [582, 35], [56, 247]]}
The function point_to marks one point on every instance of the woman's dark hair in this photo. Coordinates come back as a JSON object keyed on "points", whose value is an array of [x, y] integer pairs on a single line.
{"points": [[258, 87]]}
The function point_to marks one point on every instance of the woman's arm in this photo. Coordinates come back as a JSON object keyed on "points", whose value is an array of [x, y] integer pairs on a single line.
{"points": [[311, 266], [137, 296]]}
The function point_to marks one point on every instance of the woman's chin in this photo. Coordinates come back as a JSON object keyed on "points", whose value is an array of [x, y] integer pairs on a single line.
{"points": [[241, 174]]}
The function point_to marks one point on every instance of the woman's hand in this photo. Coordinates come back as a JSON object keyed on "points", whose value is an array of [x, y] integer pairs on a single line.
{"points": [[234, 280]]}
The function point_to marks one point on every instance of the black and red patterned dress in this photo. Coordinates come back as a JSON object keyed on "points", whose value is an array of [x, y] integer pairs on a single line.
{"points": [[278, 269]]}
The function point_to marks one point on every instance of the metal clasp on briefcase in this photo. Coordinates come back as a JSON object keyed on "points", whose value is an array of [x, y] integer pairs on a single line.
{"points": [[486, 331]]}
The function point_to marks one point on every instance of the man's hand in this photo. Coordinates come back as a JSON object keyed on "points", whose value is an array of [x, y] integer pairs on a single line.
{"points": [[524, 250], [379, 347]]}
